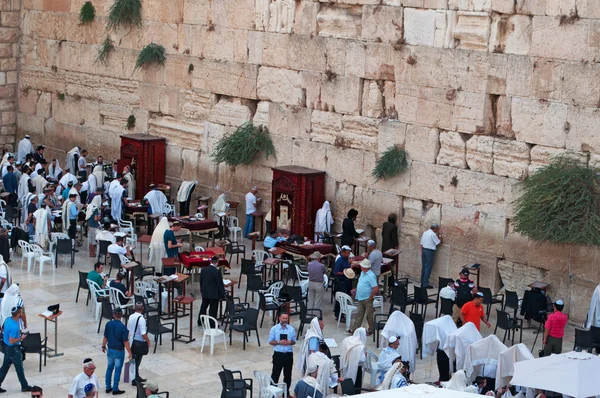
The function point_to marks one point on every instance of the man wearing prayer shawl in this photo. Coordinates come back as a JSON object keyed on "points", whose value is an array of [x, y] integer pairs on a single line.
{"points": [[353, 355], [119, 200], [72, 159], [323, 220], [156, 200], [66, 179], [311, 342], [42, 225], [387, 357], [54, 171], [308, 386], [24, 148], [130, 182], [38, 181], [25, 184]]}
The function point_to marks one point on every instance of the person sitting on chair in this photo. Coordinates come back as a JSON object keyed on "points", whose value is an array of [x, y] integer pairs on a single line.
{"points": [[119, 285], [308, 386], [119, 248], [387, 357], [97, 275]]}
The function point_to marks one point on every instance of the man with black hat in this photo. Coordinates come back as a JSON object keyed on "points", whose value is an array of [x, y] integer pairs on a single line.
{"points": [[116, 337], [555, 329], [465, 289], [38, 155], [12, 354], [211, 288]]}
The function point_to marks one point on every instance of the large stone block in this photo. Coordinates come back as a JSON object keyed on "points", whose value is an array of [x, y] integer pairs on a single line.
{"points": [[309, 154], [453, 150], [184, 134], [372, 101], [472, 30], [305, 22], [391, 132], [480, 153], [280, 85], [519, 75], [543, 155], [432, 182], [307, 53], [560, 7], [422, 143], [531, 7], [517, 277], [469, 113], [485, 190], [290, 121], [551, 40], [588, 8], [196, 12], [382, 23], [379, 61], [76, 112], [275, 16], [325, 126], [538, 122], [342, 164], [28, 101], [445, 23], [359, 132], [235, 14], [231, 112], [547, 79], [583, 134], [338, 20], [342, 94], [104, 89], [511, 34], [419, 27], [228, 78], [511, 158], [581, 85], [486, 73], [196, 104]]}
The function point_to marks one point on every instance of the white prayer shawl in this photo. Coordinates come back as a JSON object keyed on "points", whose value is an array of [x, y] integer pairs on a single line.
{"points": [[39, 183], [130, 185], [157, 201], [157, 250], [100, 175], [457, 342], [12, 298], [37, 167], [435, 333], [66, 179], [353, 353], [24, 211], [4, 163], [93, 206], [65, 216], [116, 208], [324, 220], [106, 235], [54, 171], [506, 362], [111, 188], [401, 326], [8, 282], [458, 382], [41, 226], [25, 147], [73, 191], [91, 182], [71, 164], [220, 205], [482, 357], [327, 372], [386, 357], [184, 190], [313, 331], [593, 318], [23, 186], [389, 376]]}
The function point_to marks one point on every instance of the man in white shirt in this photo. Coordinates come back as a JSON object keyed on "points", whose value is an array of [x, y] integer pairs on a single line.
{"points": [[137, 332], [251, 202], [447, 292], [429, 242], [119, 248], [82, 165], [84, 378], [5, 279]]}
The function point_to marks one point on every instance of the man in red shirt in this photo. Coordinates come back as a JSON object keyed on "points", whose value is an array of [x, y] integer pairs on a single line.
{"points": [[473, 312], [555, 329]]}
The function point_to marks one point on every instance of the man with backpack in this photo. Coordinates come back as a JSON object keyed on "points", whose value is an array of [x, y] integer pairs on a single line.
{"points": [[465, 289]]}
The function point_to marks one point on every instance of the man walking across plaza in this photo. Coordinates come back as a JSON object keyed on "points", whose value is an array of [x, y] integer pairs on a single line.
{"points": [[116, 337], [80, 385], [282, 337], [211, 288], [429, 242], [473, 312], [138, 337], [555, 329], [12, 353], [366, 289]]}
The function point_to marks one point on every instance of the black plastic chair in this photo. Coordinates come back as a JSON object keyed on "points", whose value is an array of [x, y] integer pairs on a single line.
{"points": [[264, 307], [107, 313], [254, 284], [400, 297], [596, 337], [233, 306], [442, 283], [35, 345], [249, 323], [419, 322], [446, 306], [64, 246], [103, 250], [234, 387], [83, 285], [248, 268], [511, 301], [140, 390], [489, 299], [148, 308], [583, 340], [422, 299], [348, 388], [157, 328], [307, 315], [237, 249], [378, 325], [508, 324]]}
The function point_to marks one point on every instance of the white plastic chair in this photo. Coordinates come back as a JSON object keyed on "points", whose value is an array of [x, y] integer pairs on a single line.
{"points": [[4, 223], [169, 209], [115, 299], [41, 257], [266, 383], [234, 228], [26, 253], [378, 303], [303, 280], [199, 249], [346, 308], [212, 333], [260, 256], [95, 293], [272, 292], [370, 366]]}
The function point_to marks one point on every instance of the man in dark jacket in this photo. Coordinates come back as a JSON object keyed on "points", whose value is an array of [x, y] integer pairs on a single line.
{"points": [[10, 181], [212, 289]]}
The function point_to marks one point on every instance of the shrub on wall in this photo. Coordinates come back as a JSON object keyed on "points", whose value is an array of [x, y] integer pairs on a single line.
{"points": [[125, 13], [87, 14], [561, 204], [391, 163], [243, 145], [152, 54], [105, 48]]}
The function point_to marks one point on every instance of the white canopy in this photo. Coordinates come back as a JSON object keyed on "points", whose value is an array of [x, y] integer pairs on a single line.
{"points": [[506, 362], [398, 324], [572, 373], [457, 343], [435, 333], [593, 318], [482, 357]]}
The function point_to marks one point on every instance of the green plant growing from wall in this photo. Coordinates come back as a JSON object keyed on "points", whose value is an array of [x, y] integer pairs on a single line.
{"points": [[61, 96], [130, 122], [561, 204], [125, 13], [152, 54], [105, 48], [391, 163], [87, 14], [243, 146]]}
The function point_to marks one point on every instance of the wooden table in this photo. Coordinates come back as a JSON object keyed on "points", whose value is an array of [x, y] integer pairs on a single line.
{"points": [[128, 267], [141, 240], [273, 262], [393, 254], [202, 209], [168, 281], [233, 206], [54, 320], [231, 285], [184, 302], [217, 250], [254, 236], [261, 216]]}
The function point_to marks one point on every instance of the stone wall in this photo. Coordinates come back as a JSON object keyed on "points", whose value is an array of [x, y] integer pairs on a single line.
{"points": [[9, 53], [481, 93]]}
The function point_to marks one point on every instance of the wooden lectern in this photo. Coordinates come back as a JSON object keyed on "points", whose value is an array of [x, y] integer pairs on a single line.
{"points": [[147, 155], [297, 194]]}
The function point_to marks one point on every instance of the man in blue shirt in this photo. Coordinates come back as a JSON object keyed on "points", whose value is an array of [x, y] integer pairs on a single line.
{"points": [[366, 289], [282, 337], [171, 244], [116, 336], [10, 180], [341, 283], [12, 353], [73, 213]]}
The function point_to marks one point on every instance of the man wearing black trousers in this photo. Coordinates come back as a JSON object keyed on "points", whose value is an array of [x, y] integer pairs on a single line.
{"points": [[282, 337], [211, 288]]}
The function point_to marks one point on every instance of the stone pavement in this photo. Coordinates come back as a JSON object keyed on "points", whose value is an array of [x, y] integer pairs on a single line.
{"points": [[184, 372]]}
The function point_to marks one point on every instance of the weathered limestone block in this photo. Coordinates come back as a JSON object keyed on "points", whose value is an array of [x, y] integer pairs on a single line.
{"points": [[280, 85], [43, 107], [511, 34], [77, 112], [113, 118], [337, 20], [342, 94], [551, 40], [101, 88], [519, 75], [342, 164], [547, 81], [196, 104], [28, 124], [531, 7], [325, 126], [372, 101], [486, 191], [413, 211], [307, 53], [231, 112], [560, 7], [470, 5], [28, 101], [585, 77], [583, 134], [228, 78], [480, 153], [358, 132], [312, 83], [517, 277], [43, 79], [453, 150], [503, 6], [196, 12], [336, 55], [419, 27], [511, 158], [469, 112], [472, 30], [543, 155], [445, 23], [379, 61], [309, 154], [391, 132], [270, 50], [539, 123], [235, 14], [382, 23], [432, 182], [422, 143], [177, 132], [290, 121], [275, 16], [306, 18], [261, 117], [588, 8]]}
